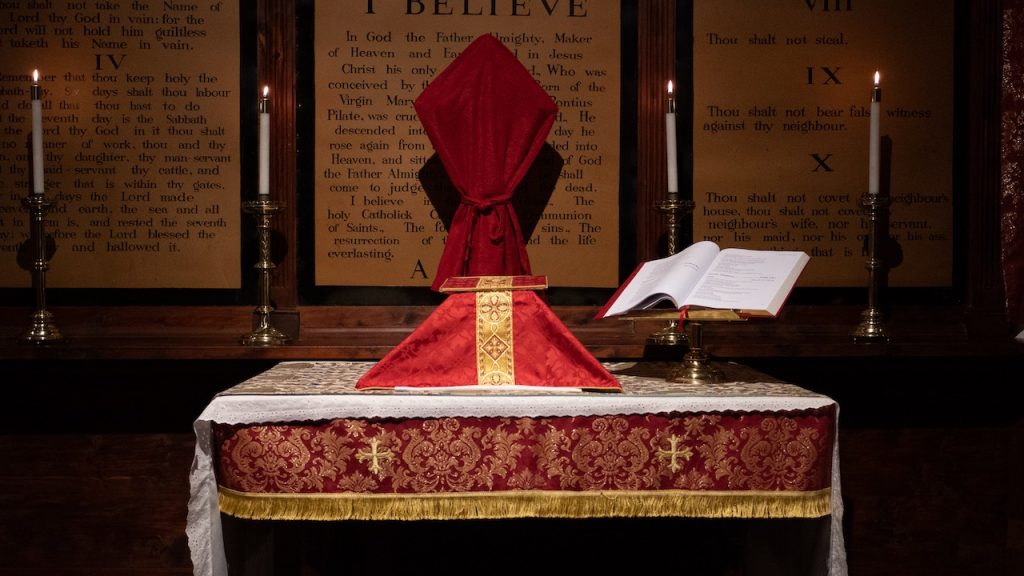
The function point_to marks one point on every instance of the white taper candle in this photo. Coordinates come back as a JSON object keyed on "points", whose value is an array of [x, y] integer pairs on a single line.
{"points": [[38, 184], [264, 185], [874, 146], [670, 146]]}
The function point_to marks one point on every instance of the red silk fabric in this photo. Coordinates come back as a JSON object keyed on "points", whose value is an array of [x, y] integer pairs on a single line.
{"points": [[784, 452], [487, 119], [443, 350]]}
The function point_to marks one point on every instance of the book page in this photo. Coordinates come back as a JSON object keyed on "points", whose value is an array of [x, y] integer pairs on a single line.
{"points": [[756, 280], [669, 278]]}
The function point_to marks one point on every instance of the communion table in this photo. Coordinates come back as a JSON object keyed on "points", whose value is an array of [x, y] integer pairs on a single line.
{"points": [[298, 442]]}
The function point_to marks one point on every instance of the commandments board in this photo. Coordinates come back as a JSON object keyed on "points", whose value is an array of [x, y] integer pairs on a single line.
{"points": [[140, 140], [375, 225], [781, 117]]}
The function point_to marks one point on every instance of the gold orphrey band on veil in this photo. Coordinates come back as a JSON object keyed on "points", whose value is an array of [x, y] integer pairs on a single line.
{"points": [[495, 364]]}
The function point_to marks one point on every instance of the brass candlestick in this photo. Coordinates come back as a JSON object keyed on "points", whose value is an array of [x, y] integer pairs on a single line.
{"points": [[264, 334], [42, 330], [674, 209], [872, 324]]}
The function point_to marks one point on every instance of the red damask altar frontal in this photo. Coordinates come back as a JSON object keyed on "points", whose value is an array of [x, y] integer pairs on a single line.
{"points": [[700, 465], [300, 443]]}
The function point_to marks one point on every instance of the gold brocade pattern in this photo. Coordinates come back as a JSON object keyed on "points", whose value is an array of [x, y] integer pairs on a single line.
{"points": [[272, 461], [442, 456], [716, 446], [493, 282], [1012, 149], [778, 454], [607, 454], [611, 454], [494, 338]]}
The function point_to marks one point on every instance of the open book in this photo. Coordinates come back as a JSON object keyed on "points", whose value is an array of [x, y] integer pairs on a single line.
{"points": [[749, 282]]}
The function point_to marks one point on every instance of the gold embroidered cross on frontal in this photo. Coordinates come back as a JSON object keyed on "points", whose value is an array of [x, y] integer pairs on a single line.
{"points": [[374, 456]]}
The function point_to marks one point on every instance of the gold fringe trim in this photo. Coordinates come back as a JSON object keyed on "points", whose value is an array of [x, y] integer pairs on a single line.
{"points": [[527, 504]]}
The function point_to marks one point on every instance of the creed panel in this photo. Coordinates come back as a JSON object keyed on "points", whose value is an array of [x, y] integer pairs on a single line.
{"points": [[374, 222]]}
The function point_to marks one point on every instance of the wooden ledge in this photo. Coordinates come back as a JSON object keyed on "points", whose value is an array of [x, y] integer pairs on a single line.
{"points": [[369, 332]]}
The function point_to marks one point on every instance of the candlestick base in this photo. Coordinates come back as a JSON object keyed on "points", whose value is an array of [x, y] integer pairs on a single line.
{"points": [[696, 369], [265, 336], [42, 329], [871, 328]]}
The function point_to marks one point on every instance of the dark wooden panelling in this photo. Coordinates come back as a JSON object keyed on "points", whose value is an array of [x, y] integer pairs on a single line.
{"points": [[656, 65], [369, 332], [77, 504], [277, 68], [927, 501]]}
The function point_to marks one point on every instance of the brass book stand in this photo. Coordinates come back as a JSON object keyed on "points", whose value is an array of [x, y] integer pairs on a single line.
{"points": [[696, 366]]}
